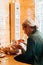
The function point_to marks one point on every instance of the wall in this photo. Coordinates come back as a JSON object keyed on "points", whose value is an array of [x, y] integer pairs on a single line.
{"points": [[25, 5]]}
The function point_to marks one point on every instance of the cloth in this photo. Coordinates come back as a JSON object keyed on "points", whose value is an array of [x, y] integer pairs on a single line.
{"points": [[34, 52]]}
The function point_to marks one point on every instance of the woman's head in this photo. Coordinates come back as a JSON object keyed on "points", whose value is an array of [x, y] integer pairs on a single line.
{"points": [[28, 26]]}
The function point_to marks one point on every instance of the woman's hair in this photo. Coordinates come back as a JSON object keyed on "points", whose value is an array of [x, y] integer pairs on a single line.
{"points": [[30, 23]]}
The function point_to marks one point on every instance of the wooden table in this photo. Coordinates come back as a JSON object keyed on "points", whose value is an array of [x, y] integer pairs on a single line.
{"points": [[9, 60]]}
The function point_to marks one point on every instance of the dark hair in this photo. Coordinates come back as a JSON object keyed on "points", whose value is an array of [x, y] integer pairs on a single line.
{"points": [[34, 27]]}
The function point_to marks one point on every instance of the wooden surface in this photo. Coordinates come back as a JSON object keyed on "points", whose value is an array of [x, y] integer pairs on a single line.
{"points": [[9, 60]]}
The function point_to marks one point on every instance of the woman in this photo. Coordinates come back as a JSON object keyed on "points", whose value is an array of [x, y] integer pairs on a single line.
{"points": [[34, 52]]}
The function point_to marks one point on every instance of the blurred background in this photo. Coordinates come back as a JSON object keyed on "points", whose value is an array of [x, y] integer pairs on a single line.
{"points": [[12, 15]]}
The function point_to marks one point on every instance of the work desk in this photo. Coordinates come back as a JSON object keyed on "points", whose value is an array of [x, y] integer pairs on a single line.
{"points": [[9, 60]]}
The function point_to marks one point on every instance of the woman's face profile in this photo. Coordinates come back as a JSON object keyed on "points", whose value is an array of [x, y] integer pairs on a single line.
{"points": [[27, 30]]}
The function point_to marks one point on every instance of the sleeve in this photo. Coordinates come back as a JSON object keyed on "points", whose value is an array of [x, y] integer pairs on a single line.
{"points": [[30, 53]]}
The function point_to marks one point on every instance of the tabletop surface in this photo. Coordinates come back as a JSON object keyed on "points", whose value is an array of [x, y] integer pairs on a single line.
{"points": [[9, 60]]}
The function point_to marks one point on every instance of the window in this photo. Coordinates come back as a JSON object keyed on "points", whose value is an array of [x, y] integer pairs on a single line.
{"points": [[4, 23], [39, 13]]}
